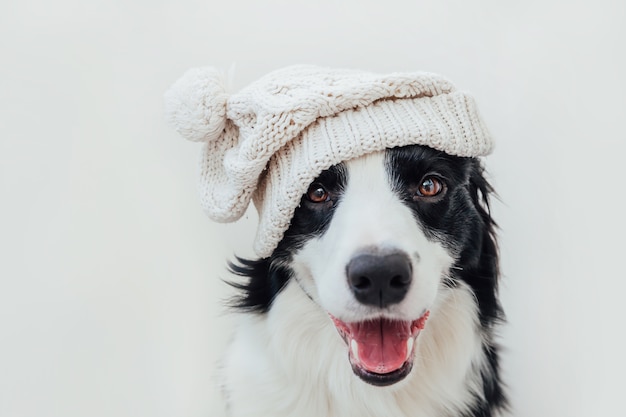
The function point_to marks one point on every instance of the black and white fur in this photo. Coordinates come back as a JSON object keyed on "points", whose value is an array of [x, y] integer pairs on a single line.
{"points": [[288, 359]]}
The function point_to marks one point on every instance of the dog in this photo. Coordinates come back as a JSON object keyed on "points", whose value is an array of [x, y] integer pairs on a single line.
{"points": [[380, 300]]}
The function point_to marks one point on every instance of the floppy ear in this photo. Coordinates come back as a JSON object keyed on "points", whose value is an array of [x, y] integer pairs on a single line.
{"points": [[481, 192], [484, 277], [263, 280]]}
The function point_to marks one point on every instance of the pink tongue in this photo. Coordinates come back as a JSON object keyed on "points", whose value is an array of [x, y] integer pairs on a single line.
{"points": [[382, 344]]}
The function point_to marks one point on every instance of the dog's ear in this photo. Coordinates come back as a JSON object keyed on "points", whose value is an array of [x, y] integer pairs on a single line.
{"points": [[484, 276], [264, 280], [481, 192]]}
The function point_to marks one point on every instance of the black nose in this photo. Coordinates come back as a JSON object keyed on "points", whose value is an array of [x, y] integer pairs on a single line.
{"points": [[379, 280]]}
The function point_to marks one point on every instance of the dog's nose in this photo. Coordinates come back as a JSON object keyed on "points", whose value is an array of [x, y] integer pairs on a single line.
{"points": [[379, 280]]}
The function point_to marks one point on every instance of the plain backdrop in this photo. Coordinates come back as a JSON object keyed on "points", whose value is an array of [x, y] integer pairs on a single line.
{"points": [[111, 276]]}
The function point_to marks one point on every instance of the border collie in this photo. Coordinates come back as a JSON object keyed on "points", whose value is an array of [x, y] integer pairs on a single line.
{"points": [[380, 300]]}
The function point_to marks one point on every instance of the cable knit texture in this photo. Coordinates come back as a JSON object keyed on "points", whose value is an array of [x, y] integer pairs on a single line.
{"points": [[270, 140]]}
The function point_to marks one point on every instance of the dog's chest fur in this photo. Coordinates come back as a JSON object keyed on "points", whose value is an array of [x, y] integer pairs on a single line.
{"points": [[291, 362]]}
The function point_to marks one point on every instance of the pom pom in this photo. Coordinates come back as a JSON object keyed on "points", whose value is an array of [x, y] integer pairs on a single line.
{"points": [[196, 104]]}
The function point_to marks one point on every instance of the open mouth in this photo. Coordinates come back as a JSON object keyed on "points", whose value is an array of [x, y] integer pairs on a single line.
{"points": [[381, 350]]}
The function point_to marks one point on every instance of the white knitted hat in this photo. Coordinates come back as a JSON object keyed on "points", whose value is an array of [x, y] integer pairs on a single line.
{"points": [[270, 140]]}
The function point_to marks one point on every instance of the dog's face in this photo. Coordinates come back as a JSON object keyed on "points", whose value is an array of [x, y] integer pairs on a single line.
{"points": [[374, 241]]}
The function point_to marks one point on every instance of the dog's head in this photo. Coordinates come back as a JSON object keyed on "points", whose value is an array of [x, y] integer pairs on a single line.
{"points": [[395, 228], [375, 241]]}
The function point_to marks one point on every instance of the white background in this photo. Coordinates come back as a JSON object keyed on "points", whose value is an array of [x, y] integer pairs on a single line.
{"points": [[110, 274]]}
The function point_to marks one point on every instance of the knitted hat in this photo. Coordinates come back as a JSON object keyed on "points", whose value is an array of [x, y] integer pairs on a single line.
{"points": [[270, 140]]}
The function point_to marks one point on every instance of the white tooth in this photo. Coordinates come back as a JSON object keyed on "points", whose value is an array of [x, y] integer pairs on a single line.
{"points": [[355, 349], [409, 348]]}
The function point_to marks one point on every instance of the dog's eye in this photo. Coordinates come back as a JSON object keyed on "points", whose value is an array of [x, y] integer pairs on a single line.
{"points": [[430, 187], [317, 193]]}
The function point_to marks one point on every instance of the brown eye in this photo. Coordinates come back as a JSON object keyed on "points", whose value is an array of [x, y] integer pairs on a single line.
{"points": [[430, 187], [317, 193]]}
